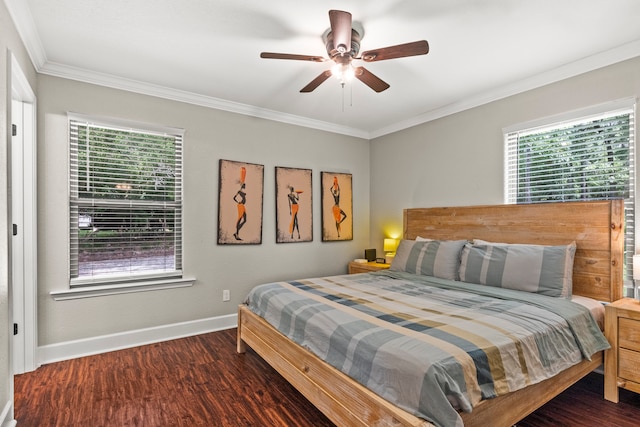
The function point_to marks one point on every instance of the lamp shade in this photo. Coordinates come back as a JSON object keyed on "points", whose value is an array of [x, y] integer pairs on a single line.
{"points": [[636, 267], [391, 244]]}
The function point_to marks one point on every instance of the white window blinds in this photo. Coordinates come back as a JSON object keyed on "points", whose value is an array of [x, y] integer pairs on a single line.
{"points": [[590, 158], [125, 203]]}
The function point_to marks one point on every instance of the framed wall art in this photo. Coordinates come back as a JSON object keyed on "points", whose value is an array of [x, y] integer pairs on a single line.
{"points": [[337, 206], [240, 195], [294, 205]]}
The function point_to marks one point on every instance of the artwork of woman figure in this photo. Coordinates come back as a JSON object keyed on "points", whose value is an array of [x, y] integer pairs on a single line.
{"points": [[338, 214], [294, 197], [241, 199]]}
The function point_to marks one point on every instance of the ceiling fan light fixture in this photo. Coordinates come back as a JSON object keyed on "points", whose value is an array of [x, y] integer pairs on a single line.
{"points": [[343, 72]]}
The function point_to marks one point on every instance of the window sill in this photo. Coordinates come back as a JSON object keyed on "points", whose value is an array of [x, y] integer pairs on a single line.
{"points": [[115, 289]]}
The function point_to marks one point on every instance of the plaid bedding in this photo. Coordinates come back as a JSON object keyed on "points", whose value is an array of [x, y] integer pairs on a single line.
{"points": [[430, 346]]}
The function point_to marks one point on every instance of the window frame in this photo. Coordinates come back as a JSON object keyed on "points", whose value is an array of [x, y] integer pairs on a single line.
{"points": [[83, 286], [627, 105]]}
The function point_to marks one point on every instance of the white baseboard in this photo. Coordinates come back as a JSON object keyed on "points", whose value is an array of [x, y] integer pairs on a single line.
{"points": [[102, 344], [6, 416]]}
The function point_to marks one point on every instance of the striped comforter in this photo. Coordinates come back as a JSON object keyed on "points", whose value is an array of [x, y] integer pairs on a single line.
{"points": [[430, 346]]}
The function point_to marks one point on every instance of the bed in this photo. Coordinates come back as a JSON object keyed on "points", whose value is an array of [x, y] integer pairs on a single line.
{"points": [[595, 227]]}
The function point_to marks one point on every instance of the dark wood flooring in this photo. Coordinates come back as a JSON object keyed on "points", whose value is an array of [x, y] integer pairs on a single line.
{"points": [[202, 381]]}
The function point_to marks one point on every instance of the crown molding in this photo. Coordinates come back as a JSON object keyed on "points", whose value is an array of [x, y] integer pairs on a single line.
{"points": [[590, 63], [115, 82], [23, 20]]}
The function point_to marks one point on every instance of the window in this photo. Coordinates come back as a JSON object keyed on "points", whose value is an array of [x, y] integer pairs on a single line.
{"points": [[125, 202], [582, 158]]}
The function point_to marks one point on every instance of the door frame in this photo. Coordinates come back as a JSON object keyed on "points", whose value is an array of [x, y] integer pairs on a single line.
{"points": [[24, 246]]}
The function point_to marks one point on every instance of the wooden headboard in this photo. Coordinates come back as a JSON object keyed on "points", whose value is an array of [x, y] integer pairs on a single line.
{"points": [[597, 227]]}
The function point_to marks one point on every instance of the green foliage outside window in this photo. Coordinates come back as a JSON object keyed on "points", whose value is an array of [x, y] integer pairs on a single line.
{"points": [[129, 165], [575, 163]]}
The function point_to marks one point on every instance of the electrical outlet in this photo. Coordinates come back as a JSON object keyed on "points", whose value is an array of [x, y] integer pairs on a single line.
{"points": [[226, 295]]}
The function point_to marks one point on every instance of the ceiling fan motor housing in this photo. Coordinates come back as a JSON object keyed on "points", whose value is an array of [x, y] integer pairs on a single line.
{"points": [[334, 51]]}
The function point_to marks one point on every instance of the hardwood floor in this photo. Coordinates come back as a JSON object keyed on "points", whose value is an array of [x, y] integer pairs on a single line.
{"points": [[202, 381]]}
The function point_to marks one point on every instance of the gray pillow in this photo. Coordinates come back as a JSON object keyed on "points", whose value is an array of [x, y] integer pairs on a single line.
{"points": [[547, 270], [437, 258]]}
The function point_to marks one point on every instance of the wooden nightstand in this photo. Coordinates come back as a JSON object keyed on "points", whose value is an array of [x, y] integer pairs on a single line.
{"points": [[622, 361], [362, 267]]}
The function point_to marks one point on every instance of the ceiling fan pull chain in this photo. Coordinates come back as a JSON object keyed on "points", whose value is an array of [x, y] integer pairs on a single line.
{"points": [[351, 94]]}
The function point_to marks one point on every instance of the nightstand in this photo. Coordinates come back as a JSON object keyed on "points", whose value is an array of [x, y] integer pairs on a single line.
{"points": [[622, 360], [366, 267]]}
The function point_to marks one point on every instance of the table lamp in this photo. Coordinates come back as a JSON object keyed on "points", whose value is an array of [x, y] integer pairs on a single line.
{"points": [[390, 246]]}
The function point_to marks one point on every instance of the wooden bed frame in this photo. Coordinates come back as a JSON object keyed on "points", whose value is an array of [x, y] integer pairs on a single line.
{"points": [[596, 227]]}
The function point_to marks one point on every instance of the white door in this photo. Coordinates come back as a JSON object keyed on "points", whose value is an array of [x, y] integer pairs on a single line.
{"points": [[17, 242], [23, 277]]}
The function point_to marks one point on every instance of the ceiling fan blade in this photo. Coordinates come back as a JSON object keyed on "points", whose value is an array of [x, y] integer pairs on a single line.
{"points": [[316, 82], [399, 51], [341, 30], [271, 55], [370, 79]]}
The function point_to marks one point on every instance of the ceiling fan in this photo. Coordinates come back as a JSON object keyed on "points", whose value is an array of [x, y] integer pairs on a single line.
{"points": [[343, 45]]}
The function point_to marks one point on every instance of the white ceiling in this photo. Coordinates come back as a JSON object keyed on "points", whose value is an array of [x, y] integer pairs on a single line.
{"points": [[207, 52]]}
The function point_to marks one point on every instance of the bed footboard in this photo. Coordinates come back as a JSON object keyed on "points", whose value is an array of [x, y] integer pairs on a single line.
{"points": [[346, 402], [510, 408], [341, 399]]}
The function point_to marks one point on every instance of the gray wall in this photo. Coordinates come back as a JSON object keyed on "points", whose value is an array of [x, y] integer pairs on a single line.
{"points": [[210, 135], [455, 160], [9, 42], [458, 160]]}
